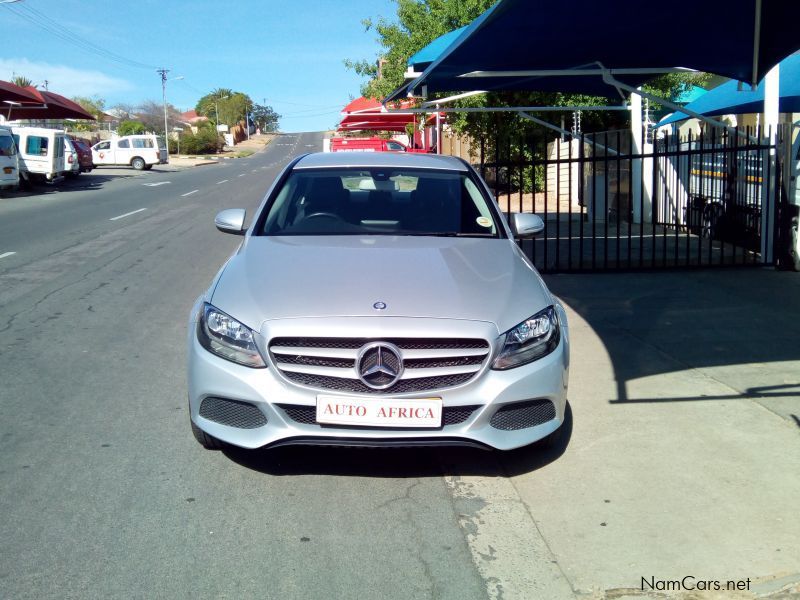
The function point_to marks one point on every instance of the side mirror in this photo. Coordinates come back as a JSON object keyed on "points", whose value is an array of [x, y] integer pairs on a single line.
{"points": [[526, 225], [231, 221]]}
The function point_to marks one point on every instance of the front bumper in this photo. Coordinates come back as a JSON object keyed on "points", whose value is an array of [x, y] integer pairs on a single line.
{"points": [[213, 377]]}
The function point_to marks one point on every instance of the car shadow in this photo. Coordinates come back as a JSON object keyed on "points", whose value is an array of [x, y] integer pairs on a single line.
{"points": [[86, 181], [403, 462]]}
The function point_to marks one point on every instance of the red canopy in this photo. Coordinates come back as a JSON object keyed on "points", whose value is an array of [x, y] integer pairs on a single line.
{"points": [[369, 114], [48, 105], [14, 93]]}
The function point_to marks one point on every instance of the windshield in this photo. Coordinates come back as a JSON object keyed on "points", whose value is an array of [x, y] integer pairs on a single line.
{"points": [[379, 201], [7, 146]]}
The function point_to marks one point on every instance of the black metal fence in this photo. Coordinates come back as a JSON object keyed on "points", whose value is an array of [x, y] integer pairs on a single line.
{"points": [[696, 201]]}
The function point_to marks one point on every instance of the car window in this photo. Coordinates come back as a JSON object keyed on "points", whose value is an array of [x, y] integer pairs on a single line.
{"points": [[379, 201], [394, 146], [143, 143], [123, 144], [7, 146], [36, 145], [103, 146]]}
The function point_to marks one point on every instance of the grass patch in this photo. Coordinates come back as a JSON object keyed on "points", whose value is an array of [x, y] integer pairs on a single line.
{"points": [[244, 153]]}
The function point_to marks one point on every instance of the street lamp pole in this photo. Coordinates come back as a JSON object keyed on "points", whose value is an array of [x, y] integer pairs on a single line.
{"points": [[163, 73]]}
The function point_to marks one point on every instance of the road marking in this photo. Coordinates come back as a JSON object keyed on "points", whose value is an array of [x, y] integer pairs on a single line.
{"points": [[133, 212], [311, 145], [242, 174], [157, 183], [189, 193], [223, 181], [6, 254]]}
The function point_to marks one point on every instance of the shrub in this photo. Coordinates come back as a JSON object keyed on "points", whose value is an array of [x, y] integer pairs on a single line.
{"points": [[205, 141], [130, 128]]}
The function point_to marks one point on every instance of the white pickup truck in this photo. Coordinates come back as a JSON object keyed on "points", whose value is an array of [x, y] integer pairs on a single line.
{"points": [[138, 151]]}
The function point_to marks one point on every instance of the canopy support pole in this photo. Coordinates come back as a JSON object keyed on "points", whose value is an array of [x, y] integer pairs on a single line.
{"points": [[768, 191], [640, 200]]}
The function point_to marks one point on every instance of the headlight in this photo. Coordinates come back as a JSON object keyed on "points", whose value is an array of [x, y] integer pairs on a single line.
{"points": [[532, 339], [226, 337]]}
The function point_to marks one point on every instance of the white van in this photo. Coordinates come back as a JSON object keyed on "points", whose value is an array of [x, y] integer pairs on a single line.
{"points": [[139, 151], [9, 161], [41, 153]]}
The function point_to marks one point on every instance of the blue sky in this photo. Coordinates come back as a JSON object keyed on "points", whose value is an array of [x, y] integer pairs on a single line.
{"points": [[288, 52]]}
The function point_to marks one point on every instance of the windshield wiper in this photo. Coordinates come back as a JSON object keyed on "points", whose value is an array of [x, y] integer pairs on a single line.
{"points": [[444, 234]]}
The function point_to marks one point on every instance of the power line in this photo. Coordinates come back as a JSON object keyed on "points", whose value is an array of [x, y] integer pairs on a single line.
{"points": [[54, 28]]}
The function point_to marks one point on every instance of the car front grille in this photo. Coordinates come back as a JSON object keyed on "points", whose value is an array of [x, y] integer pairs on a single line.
{"points": [[307, 415], [232, 413], [429, 364], [522, 415]]}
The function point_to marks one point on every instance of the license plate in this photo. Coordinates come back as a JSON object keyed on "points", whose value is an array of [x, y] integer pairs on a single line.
{"points": [[379, 412]]}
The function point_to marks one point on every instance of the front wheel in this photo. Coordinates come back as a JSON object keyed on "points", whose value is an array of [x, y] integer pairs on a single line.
{"points": [[138, 163]]}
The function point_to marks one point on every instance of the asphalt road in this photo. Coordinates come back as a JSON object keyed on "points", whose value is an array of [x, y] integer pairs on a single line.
{"points": [[103, 491]]}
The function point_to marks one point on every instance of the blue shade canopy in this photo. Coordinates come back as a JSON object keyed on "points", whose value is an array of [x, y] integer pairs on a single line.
{"points": [[690, 95], [434, 50], [719, 37], [727, 99]]}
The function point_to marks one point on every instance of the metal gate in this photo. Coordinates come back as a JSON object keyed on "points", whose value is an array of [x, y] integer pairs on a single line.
{"points": [[698, 201]]}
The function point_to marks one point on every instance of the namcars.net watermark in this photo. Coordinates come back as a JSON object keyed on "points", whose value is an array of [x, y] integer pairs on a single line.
{"points": [[691, 583]]}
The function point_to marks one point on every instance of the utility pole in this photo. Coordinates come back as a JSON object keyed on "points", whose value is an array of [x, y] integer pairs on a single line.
{"points": [[163, 73]]}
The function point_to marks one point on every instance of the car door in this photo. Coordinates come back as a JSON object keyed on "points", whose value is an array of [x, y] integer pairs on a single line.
{"points": [[102, 153]]}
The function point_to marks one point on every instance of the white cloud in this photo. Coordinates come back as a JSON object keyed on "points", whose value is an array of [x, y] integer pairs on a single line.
{"points": [[63, 80]]}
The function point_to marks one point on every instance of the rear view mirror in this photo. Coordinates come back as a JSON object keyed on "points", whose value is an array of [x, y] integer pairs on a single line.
{"points": [[526, 224], [231, 221]]}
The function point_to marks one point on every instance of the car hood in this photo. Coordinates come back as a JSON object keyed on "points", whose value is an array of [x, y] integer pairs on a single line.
{"points": [[335, 276]]}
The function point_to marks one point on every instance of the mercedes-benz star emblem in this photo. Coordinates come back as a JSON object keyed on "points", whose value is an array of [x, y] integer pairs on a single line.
{"points": [[379, 305], [379, 365]]}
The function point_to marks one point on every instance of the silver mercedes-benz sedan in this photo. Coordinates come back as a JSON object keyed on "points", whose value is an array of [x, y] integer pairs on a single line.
{"points": [[377, 299]]}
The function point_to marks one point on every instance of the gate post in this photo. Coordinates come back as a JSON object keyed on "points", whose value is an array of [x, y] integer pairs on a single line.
{"points": [[768, 189], [641, 168]]}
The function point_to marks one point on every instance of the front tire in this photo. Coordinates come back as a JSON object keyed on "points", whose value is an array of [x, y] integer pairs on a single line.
{"points": [[206, 441], [138, 163]]}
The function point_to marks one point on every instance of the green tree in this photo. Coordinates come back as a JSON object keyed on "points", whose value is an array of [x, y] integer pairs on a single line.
{"points": [[21, 81], [130, 128], [418, 23], [265, 117], [95, 106], [232, 106]]}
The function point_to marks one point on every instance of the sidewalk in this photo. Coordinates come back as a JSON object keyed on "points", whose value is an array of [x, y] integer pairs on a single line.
{"points": [[254, 144], [684, 457]]}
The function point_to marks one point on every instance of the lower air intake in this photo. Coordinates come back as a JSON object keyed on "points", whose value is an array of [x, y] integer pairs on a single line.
{"points": [[232, 413], [522, 415]]}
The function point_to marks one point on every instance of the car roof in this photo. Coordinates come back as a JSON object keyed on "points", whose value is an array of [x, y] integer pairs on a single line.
{"points": [[321, 160]]}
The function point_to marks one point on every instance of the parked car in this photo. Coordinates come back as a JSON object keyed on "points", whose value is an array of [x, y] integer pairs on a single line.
{"points": [[371, 144], [138, 151], [73, 162], [417, 319], [41, 153], [9, 160], [84, 154]]}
